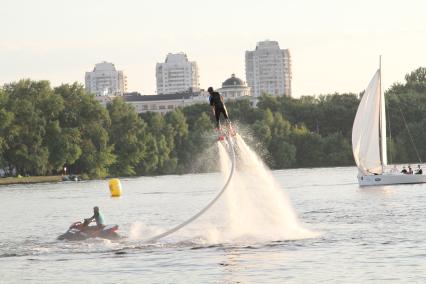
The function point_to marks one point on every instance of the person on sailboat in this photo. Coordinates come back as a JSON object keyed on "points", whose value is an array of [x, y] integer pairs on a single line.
{"points": [[394, 169], [419, 171], [404, 170], [410, 170]]}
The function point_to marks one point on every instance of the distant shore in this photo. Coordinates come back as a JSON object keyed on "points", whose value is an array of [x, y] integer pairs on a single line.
{"points": [[25, 180]]}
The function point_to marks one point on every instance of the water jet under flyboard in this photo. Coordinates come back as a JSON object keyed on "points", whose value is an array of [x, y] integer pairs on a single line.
{"points": [[254, 207], [251, 207]]}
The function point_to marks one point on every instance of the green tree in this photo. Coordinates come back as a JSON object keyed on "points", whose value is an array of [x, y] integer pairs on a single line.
{"points": [[242, 111], [149, 164], [6, 119], [33, 105], [83, 113], [309, 152], [417, 77], [162, 143], [127, 134], [263, 132], [178, 133], [337, 150]]}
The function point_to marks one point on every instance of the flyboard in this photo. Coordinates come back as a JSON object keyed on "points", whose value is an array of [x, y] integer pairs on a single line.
{"points": [[226, 137]]}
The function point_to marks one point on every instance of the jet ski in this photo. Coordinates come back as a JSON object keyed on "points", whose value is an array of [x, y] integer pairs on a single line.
{"points": [[79, 231]]}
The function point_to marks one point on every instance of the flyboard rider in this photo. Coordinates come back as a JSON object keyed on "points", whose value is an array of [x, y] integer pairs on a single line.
{"points": [[218, 106]]}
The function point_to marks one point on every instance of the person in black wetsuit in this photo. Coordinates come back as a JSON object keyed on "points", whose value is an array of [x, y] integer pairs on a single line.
{"points": [[218, 106]]}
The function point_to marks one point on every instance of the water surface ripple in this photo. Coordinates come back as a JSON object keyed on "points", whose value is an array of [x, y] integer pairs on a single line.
{"points": [[367, 234]]}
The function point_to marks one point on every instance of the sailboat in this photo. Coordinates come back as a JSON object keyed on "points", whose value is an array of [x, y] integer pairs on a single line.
{"points": [[369, 140]]}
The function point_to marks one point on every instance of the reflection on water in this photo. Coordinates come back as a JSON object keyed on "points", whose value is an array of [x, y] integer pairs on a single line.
{"points": [[367, 234]]}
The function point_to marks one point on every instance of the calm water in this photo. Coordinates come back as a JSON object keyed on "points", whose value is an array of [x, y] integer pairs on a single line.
{"points": [[366, 235]]}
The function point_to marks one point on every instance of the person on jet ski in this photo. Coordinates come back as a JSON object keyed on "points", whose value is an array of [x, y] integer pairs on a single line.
{"points": [[98, 217]]}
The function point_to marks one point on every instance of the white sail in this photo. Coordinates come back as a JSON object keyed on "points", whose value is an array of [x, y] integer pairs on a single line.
{"points": [[365, 130]]}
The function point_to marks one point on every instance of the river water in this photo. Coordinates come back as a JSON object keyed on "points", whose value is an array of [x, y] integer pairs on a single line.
{"points": [[359, 234]]}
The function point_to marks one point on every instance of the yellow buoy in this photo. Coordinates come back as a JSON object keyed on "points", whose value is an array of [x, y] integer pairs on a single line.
{"points": [[115, 187]]}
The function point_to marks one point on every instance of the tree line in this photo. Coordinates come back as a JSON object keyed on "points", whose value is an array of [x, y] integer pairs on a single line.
{"points": [[43, 129]]}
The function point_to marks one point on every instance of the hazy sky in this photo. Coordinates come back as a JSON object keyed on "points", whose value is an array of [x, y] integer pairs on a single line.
{"points": [[334, 44]]}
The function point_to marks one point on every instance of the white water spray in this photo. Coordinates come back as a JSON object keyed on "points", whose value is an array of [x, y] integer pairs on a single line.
{"points": [[258, 207], [251, 207], [254, 208]]}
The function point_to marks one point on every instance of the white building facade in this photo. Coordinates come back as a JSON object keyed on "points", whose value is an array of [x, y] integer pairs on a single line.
{"points": [[177, 74], [268, 69], [165, 103], [159, 103], [234, 88], [105, 80]]}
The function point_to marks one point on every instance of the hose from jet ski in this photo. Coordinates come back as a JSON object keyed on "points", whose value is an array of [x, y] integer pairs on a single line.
{"points": [[231, 152]]}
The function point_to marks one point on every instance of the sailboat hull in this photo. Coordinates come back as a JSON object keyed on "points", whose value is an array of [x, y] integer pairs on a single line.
{"points": [[388, 179]]}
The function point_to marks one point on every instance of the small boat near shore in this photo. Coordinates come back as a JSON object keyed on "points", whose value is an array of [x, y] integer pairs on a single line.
{"points": [[71, 178]]}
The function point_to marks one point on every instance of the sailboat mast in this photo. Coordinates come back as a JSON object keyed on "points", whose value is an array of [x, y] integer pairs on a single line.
{"points": [[383, 145], [381, 113]]}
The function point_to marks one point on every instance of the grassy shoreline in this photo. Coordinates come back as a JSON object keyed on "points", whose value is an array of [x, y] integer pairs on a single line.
{"points": [[26, 180]]}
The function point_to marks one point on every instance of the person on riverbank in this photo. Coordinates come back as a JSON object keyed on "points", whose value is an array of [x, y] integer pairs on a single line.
{"points": [[98, 217]]}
